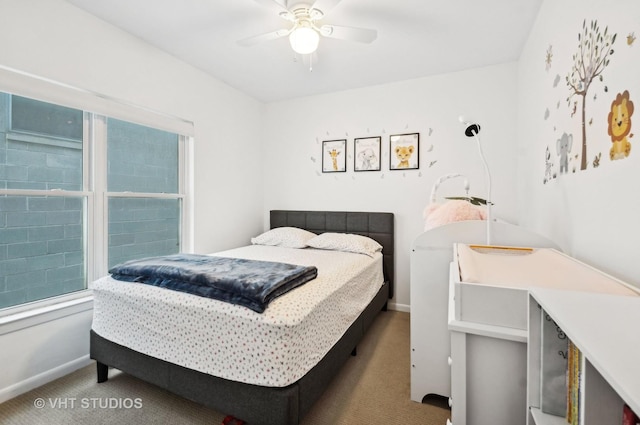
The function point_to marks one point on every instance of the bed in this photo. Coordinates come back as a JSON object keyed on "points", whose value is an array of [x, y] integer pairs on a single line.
{"points": [[267, 401]]}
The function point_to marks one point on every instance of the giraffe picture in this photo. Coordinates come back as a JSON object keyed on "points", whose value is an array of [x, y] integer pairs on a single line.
{"points": [[334, 156]]}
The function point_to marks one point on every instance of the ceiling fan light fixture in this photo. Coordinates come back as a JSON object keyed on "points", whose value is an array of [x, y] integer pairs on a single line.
{"points": [[304, 40]]}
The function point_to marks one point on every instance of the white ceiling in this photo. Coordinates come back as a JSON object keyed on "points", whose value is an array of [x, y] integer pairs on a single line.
{"points": [[416, 38]]}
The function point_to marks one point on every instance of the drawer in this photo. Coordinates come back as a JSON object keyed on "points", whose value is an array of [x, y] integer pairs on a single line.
{"points": [[491, 305]]}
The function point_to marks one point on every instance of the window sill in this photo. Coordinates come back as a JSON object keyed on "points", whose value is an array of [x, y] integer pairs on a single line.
{"points": [[38, 315]]}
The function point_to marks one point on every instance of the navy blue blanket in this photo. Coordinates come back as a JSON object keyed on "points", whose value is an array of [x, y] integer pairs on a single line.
{"points": [[250, 283]]}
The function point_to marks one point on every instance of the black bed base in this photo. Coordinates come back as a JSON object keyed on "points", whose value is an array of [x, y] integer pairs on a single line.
{"points": [[252, 403]]}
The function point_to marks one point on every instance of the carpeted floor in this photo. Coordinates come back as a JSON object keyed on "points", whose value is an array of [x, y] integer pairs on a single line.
{"points": [[372, 388]]}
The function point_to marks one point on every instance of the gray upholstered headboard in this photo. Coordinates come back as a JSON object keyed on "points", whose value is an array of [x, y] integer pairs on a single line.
{"points": [[379, 226]]}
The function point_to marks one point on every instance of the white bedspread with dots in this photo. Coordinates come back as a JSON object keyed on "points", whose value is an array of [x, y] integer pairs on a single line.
{"points": [[274, 349]]}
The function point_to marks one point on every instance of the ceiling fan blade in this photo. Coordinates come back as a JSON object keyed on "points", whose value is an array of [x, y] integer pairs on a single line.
{"points": [[324, 5], [361, 35], [252, 41]]}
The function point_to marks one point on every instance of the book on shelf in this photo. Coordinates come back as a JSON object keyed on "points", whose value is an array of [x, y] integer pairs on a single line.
{"points": [[553, 368], [629, 417], [574, 377]]}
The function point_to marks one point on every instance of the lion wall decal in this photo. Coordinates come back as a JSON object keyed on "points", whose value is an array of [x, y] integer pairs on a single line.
{"points": [[620, 126]]}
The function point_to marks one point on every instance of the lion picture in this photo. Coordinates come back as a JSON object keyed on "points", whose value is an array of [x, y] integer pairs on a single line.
{"points": [[404, 151]]}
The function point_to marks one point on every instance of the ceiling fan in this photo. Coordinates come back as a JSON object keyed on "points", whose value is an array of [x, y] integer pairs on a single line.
{"points": [[304, 34]]}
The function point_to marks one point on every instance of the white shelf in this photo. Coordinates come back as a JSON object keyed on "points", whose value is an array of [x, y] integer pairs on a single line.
{"points": [[541, 418], [604, 328]]}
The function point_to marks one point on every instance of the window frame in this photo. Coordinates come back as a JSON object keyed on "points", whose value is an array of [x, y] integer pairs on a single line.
{"points": [[95, 195]]}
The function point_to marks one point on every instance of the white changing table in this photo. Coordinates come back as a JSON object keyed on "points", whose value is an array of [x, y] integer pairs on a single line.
{"points": [[488, 320], [430, 259]]}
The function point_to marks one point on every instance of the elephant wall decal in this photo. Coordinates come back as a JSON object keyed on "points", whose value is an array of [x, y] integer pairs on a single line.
{"points": [[563, 147]]}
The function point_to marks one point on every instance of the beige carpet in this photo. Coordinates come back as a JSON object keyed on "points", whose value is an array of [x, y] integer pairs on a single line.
{"points": [[372, 388]]}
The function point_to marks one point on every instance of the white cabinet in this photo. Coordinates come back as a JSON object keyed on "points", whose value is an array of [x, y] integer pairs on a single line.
{"points": [[430, 257], [605, 329]]}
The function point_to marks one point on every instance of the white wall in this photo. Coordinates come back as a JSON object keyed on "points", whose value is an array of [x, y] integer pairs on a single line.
{"points": [[295, 130], [593, 213], [53, 39]]}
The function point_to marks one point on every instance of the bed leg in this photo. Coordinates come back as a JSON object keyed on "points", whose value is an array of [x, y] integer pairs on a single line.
{"points": [[354, 352], [385, 307], [103, 372]]}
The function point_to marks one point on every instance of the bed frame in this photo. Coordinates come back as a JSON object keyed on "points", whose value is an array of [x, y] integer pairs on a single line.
{"points": [[252, 403]]}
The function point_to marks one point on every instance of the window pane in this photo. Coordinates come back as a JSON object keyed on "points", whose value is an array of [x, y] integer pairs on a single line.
{"points": [[35, 116], [39, 161], [141, 159], [41, 248], [143, 227]]}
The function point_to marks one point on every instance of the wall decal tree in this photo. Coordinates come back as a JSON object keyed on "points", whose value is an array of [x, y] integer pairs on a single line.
{"points": [[594, 50]]}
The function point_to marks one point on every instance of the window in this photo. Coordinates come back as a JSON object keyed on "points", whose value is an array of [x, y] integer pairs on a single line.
{"points": [[144, 206], [79, 193]]}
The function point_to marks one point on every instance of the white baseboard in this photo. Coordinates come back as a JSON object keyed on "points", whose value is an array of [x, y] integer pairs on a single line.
{"points": [[399, 307], [43, 378]]}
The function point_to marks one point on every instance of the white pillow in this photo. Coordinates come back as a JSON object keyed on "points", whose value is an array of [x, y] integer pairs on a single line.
{"points": [[345, 242], [287, 237]]}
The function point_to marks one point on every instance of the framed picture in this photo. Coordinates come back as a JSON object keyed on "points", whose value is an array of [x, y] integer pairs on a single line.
{"points": [[334, 156], [366, 154], [404, 151]]}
